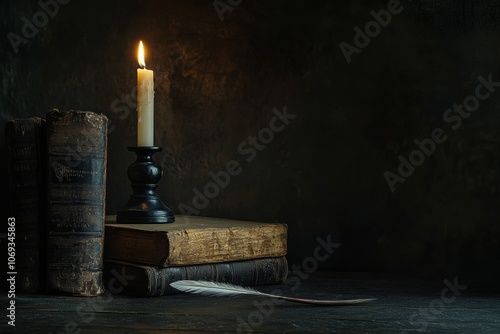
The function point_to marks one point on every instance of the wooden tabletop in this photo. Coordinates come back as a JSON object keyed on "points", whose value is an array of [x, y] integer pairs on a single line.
{"points": [[402, 306]]}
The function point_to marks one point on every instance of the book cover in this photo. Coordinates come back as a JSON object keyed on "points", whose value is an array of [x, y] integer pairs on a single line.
{"points": [[193, 240], [149, 281], [77, 145], [25, 153]]}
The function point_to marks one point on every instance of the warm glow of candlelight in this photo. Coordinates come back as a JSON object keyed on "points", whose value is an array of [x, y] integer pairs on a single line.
{"points": [[142, 62]]}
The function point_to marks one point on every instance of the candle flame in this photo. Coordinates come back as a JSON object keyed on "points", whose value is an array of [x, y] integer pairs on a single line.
{"points": [[142, 63]]}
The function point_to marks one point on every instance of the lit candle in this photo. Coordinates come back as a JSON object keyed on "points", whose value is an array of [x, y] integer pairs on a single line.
{"points": [[145, 102]]}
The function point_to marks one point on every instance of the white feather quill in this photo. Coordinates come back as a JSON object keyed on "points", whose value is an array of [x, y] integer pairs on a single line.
{"points": [[224, 289]]}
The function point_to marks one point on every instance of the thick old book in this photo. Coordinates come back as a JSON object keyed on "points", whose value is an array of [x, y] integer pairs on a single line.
{"points": [[77, 144], [147, 281], [25, 151], [193, 240]]}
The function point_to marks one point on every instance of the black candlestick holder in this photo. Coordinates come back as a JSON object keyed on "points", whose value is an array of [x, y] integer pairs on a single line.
{"points": [[144, 206]]}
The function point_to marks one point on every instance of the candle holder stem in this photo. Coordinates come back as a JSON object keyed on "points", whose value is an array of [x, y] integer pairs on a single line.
{"points": [[144, 206]]}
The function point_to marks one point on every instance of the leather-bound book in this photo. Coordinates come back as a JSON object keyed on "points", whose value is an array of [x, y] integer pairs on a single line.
{"points": [[149, 281], [76, 145], [25, 151]]}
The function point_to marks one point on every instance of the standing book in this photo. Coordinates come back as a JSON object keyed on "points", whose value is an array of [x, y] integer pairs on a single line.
{"points": [[25, 151], [77, 146]]}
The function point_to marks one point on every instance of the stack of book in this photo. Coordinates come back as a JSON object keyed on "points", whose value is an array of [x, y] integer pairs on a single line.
{"points": [[143, 259], [57, 173]]}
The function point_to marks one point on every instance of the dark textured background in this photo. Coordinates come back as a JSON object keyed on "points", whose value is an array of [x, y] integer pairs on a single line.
{"points": [[217, 83]]}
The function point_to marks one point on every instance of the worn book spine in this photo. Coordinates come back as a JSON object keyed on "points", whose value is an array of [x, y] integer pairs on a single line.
{"points": [[25, 151], [77, 144], [149, 281]]}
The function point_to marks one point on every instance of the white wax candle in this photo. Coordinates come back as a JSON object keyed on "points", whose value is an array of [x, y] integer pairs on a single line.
{"points": [[145, 103]]}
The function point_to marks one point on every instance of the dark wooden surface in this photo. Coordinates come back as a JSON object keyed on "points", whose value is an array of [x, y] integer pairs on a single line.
{"points": [[403, 306]]}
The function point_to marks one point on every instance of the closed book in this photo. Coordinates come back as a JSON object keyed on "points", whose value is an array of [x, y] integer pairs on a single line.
{"points": [[148, 281], [193, 240], [25, 151], [76, 201]]}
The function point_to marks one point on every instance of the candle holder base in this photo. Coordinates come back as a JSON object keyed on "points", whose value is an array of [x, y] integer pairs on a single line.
{"points": [[144, 206]]}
